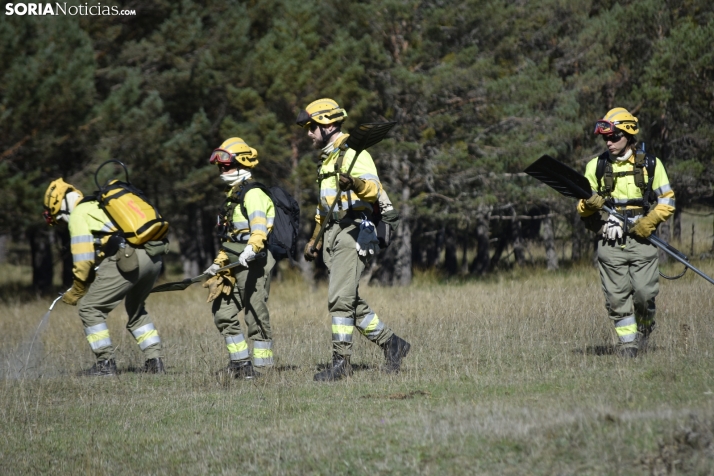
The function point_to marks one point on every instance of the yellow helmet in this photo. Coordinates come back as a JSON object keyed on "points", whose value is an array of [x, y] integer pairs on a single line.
{"points": [[235, 150], [617, 118], [54, 196], [323, 111]]}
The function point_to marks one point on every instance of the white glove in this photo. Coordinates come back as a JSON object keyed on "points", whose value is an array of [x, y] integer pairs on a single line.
{"points": [[212, 270], [367, 241], [612, 229], [247, 255]]}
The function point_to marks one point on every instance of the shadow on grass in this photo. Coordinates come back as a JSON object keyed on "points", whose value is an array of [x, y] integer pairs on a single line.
{"points": [[355, 367], [607, 350]]}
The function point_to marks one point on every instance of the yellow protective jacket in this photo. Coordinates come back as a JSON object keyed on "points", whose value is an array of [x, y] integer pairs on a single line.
{"points": [[259, 222], [88, 226], [625, 188], [364, 168]]}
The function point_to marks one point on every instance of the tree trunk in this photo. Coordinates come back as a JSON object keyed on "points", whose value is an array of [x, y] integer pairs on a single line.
{"points": [[41, 253], [464, 258], [551, 255], [3, 248], [195, 240], [677, 225], [663, 232], [481, 261], [451, 263], [581, 241], [403, 264], [517, 238]]}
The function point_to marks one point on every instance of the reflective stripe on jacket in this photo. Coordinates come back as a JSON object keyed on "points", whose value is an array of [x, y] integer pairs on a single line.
{"points": [[364, 168], [87, 223], [626, 189]]}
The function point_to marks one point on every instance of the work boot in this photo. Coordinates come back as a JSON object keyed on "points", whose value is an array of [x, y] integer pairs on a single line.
{"points": [[102, 368], [627, 352], [153, 366], [395, 349], [340, 368], [644, 335], [242, 369]]}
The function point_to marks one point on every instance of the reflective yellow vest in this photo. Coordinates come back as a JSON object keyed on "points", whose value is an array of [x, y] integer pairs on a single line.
{"points": [[89, 228], [364, 168]]}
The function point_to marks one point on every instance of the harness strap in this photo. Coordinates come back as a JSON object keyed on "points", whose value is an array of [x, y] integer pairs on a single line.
{"points": [[606, 178]]}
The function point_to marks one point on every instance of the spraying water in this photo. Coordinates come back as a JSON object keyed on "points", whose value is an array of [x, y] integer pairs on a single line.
{"points": [[26, 360]]}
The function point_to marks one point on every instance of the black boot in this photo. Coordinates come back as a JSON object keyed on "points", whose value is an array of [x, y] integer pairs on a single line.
{"points": [[395, 349], [154, 366], [627, 352], [242, 369], [645, 331], [340, 368], [102, 368]]}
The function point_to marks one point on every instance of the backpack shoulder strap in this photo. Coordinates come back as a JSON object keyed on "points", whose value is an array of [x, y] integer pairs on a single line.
{"points": [[603, 174], [244, 191]]}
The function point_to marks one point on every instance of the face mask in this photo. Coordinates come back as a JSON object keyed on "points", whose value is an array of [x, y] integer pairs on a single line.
{"points": [[625, 157], [234, 178]]}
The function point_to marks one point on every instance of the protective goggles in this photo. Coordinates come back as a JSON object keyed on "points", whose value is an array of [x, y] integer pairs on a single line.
{"points": [[604, 127], [50, 219], [222, 157]]}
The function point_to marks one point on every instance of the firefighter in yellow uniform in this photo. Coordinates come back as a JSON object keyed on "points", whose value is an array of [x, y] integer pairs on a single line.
{"points": [[99, 282], [243, 238], [635, 184], [349, 240]]}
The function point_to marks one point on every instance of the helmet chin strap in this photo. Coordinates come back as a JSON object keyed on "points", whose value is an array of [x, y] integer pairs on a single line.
{"points": [[326, 136]]}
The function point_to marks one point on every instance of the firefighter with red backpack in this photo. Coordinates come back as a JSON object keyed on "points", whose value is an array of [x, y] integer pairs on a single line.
{"points": [[244, 223], [108, 268], [635, 184]]}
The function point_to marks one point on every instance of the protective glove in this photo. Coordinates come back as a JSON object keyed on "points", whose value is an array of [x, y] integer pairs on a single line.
{"points": [[75, 293], [367, 241], [645, 226], [612, 229], [307, 252], [247, 255], [594, 203], [212, 270], [348, 182], [221, 283]]}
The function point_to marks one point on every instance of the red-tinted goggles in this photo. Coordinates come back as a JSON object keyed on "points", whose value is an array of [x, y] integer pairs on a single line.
{"points": [[48, 218], [222, 157], [52, 220], [604, 127]]}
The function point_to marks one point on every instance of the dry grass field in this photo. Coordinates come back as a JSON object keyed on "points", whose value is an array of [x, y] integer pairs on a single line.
{"points": [[511, 375]]}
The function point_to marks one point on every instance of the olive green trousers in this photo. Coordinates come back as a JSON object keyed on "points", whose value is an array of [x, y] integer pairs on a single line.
{"points": [[346, 306], [250, 293], [110, 286], [629, 272]]}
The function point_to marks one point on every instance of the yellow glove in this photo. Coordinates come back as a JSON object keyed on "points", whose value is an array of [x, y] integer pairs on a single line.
{"points": [[221, 283], [78, 289], [645, 226], [594, 203]]}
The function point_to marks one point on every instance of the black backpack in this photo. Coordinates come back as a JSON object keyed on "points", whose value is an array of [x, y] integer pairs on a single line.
{"points": [[282, 240]]}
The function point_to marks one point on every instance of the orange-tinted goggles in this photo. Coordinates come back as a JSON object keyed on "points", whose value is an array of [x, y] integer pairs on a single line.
{"points": [[221, 157]]}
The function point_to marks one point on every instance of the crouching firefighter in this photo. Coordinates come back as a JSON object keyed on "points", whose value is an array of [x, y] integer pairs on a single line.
{"points": [[244, 222], [106, 269], [349, 240], [634, 184]]}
